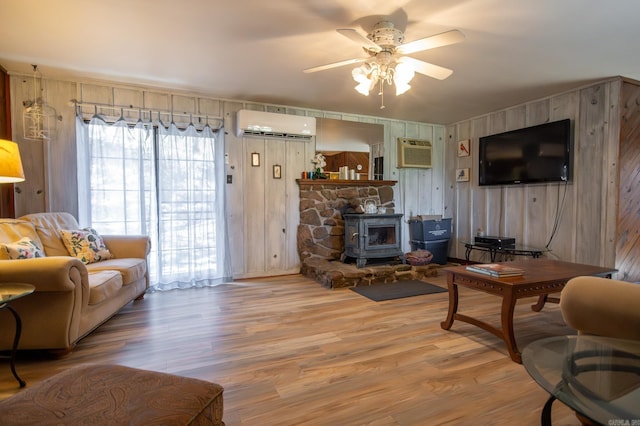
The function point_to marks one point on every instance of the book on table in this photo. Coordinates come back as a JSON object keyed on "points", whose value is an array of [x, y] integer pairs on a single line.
{"points": [[496, 270]]}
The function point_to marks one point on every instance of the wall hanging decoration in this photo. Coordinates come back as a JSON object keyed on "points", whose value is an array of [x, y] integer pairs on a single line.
{"points": [[464, 149], [38, 118], [277, 171], [255, 159], [462, 175]]}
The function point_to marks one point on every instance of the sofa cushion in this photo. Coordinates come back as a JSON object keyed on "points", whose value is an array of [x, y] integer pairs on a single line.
{"points": [[12, 230], [24, 248], [47, 226], [132, 269], [103, 285], [85, 244]]}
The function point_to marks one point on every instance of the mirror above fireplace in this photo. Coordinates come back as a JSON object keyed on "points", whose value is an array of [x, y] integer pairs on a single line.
{"points": [[350, 143]]}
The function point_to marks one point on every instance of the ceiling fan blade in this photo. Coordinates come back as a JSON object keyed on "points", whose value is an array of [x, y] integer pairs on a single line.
{"points": [[359, 38], [426, 68], [335, 65], [438, 40]]}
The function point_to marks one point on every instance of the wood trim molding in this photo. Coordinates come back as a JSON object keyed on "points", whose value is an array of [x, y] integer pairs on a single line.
{"points": [[342, 182]]}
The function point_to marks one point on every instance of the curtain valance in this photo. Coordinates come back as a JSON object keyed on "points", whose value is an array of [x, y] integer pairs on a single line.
{"points": [[131, 114]]}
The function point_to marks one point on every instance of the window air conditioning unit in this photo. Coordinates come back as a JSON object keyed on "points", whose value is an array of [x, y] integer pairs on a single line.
{"points": [[414, 153], [271, 125]]}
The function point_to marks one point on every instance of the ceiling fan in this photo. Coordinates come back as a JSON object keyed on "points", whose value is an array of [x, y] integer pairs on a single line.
{"points": [[387, 61]]}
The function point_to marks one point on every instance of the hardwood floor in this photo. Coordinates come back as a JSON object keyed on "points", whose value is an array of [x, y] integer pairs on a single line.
{"points": [[289, 352]]}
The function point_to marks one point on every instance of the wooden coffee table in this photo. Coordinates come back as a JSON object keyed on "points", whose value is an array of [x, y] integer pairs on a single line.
{"points": [[541, 277]]}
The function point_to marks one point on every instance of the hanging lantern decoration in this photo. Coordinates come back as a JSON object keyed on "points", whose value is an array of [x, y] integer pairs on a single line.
{"points": [[38, 118]]}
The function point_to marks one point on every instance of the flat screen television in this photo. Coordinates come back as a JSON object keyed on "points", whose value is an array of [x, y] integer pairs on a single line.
{"points": [[536, 154]]}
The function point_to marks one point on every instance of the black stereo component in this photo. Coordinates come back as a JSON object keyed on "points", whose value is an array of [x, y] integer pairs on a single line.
{"points": [[495, 242]]}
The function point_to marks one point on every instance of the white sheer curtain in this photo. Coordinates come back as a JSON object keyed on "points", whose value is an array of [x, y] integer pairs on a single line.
{"points": [[191, 232], [160, 181]]}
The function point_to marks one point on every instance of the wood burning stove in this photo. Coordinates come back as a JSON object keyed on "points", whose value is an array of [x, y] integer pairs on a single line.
{"points": [[372, 236]]}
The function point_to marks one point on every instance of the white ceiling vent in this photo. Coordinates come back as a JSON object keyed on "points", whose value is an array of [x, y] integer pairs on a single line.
{"points": [[271, 125]]}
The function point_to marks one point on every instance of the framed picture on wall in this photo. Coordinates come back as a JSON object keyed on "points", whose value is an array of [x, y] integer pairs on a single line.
{"points": [[464, 149], [255, 159], [462, 175], [277, 171]]}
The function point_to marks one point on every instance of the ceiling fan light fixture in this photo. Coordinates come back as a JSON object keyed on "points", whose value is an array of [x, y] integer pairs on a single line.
{"points": [[365, 76], [387, 62], [359, 74], [404, 73], [363, 88], [401, 88], [370, 74]]}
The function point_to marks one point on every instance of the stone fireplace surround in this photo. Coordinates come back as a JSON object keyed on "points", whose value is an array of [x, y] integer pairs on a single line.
{"points": [[322, 203], [320, 236]]}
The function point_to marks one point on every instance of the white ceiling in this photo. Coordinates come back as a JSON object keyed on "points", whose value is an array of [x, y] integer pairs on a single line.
{"points": [[515, 50]]}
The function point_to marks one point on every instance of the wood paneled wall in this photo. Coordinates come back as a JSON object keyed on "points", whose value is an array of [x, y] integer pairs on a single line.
{"points": [[265, 211], [579, 218], [628, 215], [262, 212]]}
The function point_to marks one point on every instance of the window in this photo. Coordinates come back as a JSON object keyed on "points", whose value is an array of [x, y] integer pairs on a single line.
{"points": [[163, 182]]}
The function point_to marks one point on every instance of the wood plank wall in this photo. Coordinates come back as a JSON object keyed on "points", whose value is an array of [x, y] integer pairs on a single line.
{"points": [[586, 229], [265, 211], [628, 218], [262, 212]]}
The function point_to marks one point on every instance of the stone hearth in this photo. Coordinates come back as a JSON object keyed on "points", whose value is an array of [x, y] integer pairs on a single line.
{"points": [[335, 274]]}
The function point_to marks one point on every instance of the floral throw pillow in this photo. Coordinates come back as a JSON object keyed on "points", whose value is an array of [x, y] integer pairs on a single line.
{"points": [[85, 244], [25, 248]]}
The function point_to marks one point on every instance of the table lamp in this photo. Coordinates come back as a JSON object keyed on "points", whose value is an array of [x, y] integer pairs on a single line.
{"points": [[10, 163]]}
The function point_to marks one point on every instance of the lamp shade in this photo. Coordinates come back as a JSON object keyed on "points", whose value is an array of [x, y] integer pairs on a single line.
{"points": [[10, 162]]}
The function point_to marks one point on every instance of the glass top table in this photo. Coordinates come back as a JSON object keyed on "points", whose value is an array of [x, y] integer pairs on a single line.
{"points": [[598, 377], [13, 291], [515, 250], [8, 293]]}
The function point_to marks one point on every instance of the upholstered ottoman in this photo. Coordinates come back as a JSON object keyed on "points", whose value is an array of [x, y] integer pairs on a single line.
{"points": [[115, 395]]}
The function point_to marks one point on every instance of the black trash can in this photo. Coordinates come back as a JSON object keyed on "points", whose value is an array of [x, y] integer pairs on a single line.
{"points": [[431, 234], [429, 230]]}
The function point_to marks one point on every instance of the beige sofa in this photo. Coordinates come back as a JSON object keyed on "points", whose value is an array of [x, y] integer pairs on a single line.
{"points": [[71, 298]]}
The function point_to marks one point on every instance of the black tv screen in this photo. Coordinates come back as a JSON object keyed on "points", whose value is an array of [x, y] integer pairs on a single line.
{"points": [[536, 154]]}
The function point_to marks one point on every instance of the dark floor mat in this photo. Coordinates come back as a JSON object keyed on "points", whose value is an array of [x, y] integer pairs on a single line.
{"points": [[397, 290]]}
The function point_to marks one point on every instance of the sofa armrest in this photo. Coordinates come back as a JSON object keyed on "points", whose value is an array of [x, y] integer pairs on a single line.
{"points": [[602, 307], [52, 315], [125, 246], [54, 273]]}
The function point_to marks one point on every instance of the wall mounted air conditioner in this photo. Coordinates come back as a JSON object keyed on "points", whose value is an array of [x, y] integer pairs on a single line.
{"points": [[271, 125], [414, 153]]}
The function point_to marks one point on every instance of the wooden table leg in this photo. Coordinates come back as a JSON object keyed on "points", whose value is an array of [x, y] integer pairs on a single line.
{"points": [[508, 306], [453, 302], [542, 299]]}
